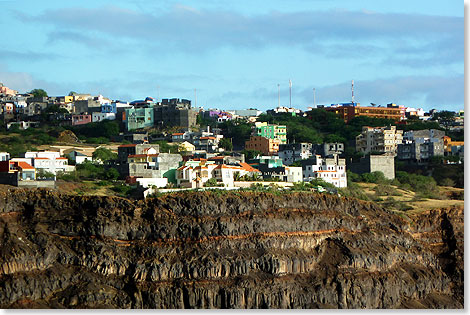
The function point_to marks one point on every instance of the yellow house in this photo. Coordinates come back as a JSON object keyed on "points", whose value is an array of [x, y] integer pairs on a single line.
{"points": [[186, 147]]}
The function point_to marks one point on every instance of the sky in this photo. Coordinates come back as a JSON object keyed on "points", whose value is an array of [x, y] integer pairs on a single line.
{"points": [[233, 54]]}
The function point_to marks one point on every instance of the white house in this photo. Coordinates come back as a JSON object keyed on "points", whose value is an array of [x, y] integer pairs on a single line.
{"points": [[331, 170], [49, 161], [79, 157], [4, 156], [97, 117]]}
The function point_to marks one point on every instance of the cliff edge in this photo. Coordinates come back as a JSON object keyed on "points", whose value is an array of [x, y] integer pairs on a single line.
{"points": [[225, 250]]}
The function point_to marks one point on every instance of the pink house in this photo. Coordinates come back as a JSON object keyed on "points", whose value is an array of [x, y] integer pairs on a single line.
{"points": [[81, 119]]}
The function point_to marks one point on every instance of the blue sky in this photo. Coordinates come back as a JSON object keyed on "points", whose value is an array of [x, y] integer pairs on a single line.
{"points": [[234, 53]]}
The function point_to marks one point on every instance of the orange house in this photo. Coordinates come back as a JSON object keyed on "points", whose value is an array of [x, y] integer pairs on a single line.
{"points": [[265, 145]]}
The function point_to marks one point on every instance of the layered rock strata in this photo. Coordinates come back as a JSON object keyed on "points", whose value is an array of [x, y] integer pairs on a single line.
{"points": [[225, 250]]}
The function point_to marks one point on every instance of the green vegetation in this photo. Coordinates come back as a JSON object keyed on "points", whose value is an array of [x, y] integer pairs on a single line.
{"points": [[90, 171], [251, 154], [99, 132], [212, 182], [237, 130], [164, 147], [17, 141], [425, 186], [38, 93], [226, 144], [104, 155]]}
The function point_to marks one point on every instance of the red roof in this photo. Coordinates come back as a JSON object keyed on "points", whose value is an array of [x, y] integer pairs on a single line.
{"points": [[61, 158], [248, 167], [24, 166], [217, 158], [127, 145], [141, 155], [178, 134], [207, 138]]}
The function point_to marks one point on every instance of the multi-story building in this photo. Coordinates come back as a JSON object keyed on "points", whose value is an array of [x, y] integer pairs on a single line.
{"points": [[421, 149], [426, 133], [264, 145], [131, 149], [348, 111], [379, 139], [328, 149], [49, 161], [86, 106], [195, 173], [153, 165], [276, 132], [289, 153], [331, 170], [137, 118], [453, 147], [175, 112], [81, 119]]}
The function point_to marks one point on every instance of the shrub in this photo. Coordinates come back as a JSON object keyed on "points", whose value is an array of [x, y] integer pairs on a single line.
{"points": [[447, 182], [374, 177], [112, 174], [424, 185]]}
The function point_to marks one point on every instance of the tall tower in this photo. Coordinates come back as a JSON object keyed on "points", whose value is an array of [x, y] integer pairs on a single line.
{"points": [[195, 98], [352, 90], [290, 93]]}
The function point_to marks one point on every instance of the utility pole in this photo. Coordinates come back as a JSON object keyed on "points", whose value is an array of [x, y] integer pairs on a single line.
{"points": [[290, 93], [278, 95], [158, 93]]}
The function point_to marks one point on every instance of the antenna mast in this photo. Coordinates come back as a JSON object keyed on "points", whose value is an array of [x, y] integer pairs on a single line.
{"points": [[314, 102], [195, 98], [278, 95], [352, 90], [290, 93]]}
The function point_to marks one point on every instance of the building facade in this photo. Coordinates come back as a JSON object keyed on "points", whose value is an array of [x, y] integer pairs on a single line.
{"points": [[379, 139], [289, 153], [137, 118], [331, 170], [175, 112], [348, 111], [275, 132], [264, 145]]}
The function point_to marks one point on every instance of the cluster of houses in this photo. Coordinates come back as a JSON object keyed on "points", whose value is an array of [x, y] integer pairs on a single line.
{"points": [[200, 160], [414, 146]]}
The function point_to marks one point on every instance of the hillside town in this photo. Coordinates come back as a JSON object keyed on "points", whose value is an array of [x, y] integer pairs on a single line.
{"points": [[163, 145]]}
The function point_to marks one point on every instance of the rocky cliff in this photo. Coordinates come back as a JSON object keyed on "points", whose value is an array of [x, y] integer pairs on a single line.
{"points": [[226, 250]]}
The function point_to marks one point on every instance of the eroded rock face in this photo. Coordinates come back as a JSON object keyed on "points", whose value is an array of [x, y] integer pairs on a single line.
{"points": [[231, 250]]}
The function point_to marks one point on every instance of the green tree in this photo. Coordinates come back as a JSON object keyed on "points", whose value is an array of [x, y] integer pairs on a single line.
{"points": [[226, 144], [444, 117], [103, 155], [112, 174], [38, 93], [56, 109], [250, 154], [238, 130]]}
